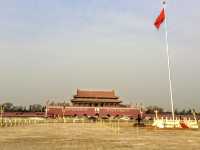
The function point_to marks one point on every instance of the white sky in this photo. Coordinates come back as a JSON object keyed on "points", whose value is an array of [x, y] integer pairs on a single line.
{"points": [[51, 48]]}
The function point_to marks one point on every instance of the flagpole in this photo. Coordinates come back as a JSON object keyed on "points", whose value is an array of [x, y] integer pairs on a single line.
{"points": [[168, 62]]}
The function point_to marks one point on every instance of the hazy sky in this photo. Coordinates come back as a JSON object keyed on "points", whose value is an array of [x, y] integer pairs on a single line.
{"points": [[49, 48]]}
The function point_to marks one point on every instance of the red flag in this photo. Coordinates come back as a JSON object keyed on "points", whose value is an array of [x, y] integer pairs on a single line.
{"points": [[160, 19]]}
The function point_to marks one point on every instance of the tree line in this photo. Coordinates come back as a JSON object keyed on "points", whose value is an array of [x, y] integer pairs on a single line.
{"points": [[10, 107], [152, 109]]}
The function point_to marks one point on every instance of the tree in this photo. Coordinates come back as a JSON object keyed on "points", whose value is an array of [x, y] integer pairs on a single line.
{"points": [[35, 108], [189, 111], [151, 109], [52, 103], [8, 107], [176, 112]]}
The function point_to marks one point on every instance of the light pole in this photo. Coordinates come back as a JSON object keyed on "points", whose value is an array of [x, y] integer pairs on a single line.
{"points": [[46, 110], [2, 110]]}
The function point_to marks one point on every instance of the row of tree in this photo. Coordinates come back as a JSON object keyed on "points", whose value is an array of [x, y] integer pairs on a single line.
{"points": [[9, 107], [152, 109]]}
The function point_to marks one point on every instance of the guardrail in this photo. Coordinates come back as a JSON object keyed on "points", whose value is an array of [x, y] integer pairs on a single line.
{"points": [[11, 122]]}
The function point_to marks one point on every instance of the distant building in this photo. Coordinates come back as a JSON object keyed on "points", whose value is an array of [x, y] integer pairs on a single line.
{"points": [[92, 103], [89, 98]]}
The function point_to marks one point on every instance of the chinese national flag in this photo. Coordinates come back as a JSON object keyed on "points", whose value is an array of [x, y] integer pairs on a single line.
{"points": [[160, 19]]}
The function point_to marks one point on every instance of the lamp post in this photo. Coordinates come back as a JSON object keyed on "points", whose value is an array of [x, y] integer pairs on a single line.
{"points": [[2, 110], [46, 110], [156, 112]]}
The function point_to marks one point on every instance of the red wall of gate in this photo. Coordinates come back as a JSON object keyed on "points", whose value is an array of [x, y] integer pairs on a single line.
{"points": [[54, 111]]}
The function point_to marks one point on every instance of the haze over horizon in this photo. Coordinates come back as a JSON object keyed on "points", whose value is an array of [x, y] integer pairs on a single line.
{"points": [[51, 48]]}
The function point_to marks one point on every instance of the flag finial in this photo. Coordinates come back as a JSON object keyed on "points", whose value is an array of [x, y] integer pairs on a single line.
{"points": [[164, 2]]}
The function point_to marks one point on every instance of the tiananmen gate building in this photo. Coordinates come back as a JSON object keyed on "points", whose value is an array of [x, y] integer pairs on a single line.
{"points": [[92, 103], [85, 98]]}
